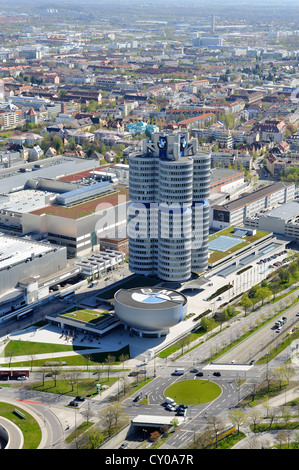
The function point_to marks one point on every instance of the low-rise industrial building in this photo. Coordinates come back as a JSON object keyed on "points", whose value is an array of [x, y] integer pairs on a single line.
{"points": [[283, 220], [23, 263], [235, 212]]}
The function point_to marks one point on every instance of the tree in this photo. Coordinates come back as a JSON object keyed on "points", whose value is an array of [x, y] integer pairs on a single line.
{"points": [[109, 361], [246, 303], [216, 425], [113, 417], [123, 358], [58, 144], [262, 293], [254, 416], [94, 439], [72, 378], [154, 436], [237, 417], [87, 412], [54, 372]]}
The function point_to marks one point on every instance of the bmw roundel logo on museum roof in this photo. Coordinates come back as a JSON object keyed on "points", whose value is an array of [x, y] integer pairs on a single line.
{"points": [[149, 298]]}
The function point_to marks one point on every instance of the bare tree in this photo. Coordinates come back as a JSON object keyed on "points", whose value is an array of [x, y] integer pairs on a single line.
{"points": [[216, 425], [281, 438], [42, 372], [123, 358], [113, 417], [125, 384], [254, 416], [87, 412], [72, 378], [109, 361], [55, 371]]}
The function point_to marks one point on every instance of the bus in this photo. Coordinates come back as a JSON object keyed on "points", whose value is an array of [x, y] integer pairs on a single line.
{"points": [[25, 313], [66, 295]]}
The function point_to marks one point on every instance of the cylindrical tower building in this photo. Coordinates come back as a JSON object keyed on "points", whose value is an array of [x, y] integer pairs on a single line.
{"points": [[169, 214]]}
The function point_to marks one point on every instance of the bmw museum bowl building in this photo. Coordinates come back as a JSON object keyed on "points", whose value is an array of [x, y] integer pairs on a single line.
{"points": [[150, 311]]}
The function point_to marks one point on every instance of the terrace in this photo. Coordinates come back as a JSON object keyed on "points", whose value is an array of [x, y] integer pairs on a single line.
{"points": [[220, 245], [86, 315]]}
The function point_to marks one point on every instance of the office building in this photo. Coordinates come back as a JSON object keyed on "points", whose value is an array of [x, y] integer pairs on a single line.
{"points": [[235, 212], [169, 185]]}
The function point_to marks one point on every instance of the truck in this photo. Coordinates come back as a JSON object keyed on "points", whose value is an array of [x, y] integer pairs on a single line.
{"points": [[178, 371], [280, 322]]}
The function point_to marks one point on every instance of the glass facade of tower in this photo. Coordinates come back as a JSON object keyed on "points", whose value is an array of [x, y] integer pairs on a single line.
{"points": [[169, 213]]}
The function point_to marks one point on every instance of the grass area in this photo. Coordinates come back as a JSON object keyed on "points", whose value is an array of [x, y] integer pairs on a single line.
{"points": [[83, 387], [22, 348], [229, 441], [86, 315], [28, 426], [193, 392], [229, 232], [83, 427], [87, 360]]}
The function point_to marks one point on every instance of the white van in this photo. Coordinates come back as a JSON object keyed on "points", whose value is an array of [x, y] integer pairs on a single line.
{"points": [[179, 372], [170, 401]]}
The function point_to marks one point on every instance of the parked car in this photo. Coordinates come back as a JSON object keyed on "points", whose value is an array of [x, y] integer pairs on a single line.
{"points": [[169, 407], [123, 445], [183, 407], [22, 377], [194, 370], [199, 374], [74, 403], [217, 374], [80, 399]]}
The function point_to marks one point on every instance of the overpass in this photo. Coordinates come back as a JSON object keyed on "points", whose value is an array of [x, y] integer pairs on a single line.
{"points": [[154, 421]]}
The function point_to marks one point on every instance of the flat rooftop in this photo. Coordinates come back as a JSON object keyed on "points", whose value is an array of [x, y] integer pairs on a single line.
{"points": [[285, 212], [15, 250], [25, 200], [254, 196], [77, 211], [220, 248]]}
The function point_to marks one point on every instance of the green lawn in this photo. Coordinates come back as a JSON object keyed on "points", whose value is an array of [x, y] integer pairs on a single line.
{"points": [[29, 426], [86, 315], [29, 350], [22, 348], [193, 392], [84, 387]]}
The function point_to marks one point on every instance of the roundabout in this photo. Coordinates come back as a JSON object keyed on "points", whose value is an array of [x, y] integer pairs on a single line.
{"points": [[193, 392]]}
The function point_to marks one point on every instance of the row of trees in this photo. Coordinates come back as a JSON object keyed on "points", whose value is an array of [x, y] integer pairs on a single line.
{"points": [[284, 277], [254, 417]]}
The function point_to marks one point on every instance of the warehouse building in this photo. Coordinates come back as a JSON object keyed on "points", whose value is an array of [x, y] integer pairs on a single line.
{"points": [[23, 263]]}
